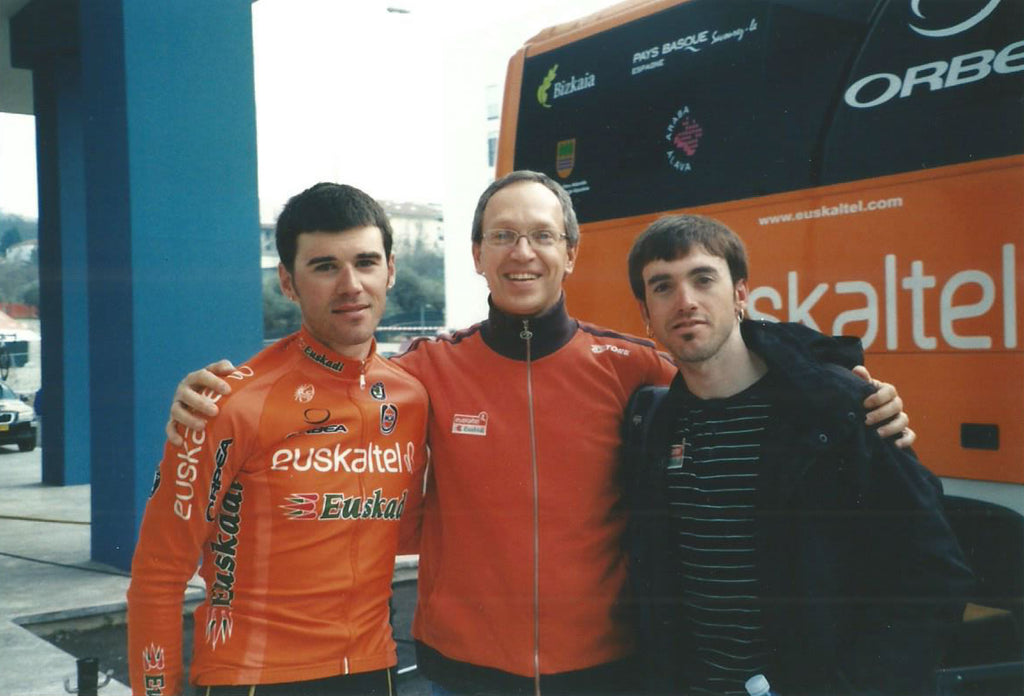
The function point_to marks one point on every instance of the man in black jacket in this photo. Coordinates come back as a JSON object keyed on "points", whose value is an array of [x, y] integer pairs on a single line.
{"points": [[773, 532]]}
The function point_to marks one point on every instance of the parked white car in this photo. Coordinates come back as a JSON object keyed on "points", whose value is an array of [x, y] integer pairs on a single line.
{"points": [[18, 423]]}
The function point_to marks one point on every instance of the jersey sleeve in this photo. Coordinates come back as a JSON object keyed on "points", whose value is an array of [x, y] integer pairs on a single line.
{"points": [[186, 496], [412, 517], [416, 363]]}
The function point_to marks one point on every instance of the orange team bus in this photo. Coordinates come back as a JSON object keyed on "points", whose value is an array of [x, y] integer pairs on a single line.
{"points": [[869, 152]]}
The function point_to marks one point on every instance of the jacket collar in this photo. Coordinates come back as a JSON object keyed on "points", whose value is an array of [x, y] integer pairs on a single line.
{"points": [[506, 333], [818, 398], [805, 360]]}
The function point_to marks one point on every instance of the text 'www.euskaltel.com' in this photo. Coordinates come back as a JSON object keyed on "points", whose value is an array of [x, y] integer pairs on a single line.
{"points": [[834, 210]]}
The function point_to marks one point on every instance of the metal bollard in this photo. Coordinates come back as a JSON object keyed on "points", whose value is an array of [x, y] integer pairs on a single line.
{"points": [[88, 678]]}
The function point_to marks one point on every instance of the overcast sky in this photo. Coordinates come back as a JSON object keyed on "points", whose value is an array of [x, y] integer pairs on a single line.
{"points": [[345, 91], [18, 165]]}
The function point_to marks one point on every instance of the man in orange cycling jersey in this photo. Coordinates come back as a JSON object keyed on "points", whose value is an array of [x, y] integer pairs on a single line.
{"points": [[292, 495]]}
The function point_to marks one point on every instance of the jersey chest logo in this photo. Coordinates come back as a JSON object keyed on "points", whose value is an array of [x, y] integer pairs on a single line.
{"points": [[388, 418], [304, 393], [463, 424]]}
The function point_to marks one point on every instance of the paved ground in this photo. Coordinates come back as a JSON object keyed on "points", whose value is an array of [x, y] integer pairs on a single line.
{"points": [[46, 576], [49, 585]]}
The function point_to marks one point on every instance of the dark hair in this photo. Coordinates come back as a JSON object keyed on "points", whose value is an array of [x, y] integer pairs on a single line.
{"points": [[672, 236], [327, 207], [572, 227]]}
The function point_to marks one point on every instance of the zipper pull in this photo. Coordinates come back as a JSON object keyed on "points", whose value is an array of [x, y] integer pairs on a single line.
{"points": [[362, 375], [526, 334]]}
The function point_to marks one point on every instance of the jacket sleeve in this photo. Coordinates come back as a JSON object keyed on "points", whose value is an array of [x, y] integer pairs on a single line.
{"points": [[909, 570], [186, 497]]}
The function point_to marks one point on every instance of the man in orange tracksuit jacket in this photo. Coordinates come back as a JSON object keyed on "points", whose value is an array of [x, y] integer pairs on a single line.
{"points": [[292, 496], [522, 569]]}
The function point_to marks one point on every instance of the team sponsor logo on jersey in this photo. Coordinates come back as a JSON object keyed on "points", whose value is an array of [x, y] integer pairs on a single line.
{"points": [[683, 135], [339, 506], [225, 551], [335, 365], [316, 416], [153, 661], [304, 393], [565, 157], [598, 349], [331, 429], [185, 472], [388, 418], [221, 458], [377, 391], [463, 424], [352, 460], [219, 626], [155, 684], [300, 506], [153, 658]]}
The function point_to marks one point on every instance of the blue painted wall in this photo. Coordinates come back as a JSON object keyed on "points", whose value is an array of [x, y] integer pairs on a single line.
{"points": [[173, 227]]}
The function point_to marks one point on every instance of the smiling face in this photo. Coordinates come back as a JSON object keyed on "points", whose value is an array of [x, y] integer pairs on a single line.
{"points": [[524, 280], [691, 305], [340, 282]]}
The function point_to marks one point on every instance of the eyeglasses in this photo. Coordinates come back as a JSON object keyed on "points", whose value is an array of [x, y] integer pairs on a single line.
{"points": [[536, 238]]}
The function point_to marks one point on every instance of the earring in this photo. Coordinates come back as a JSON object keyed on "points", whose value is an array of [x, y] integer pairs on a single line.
{"points": [[740, 313], [650, 334]]}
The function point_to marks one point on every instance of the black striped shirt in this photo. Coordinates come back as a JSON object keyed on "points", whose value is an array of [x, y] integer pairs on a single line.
{"points": [[712, 479]]}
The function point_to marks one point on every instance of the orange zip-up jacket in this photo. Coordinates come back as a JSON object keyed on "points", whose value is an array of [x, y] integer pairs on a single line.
{"points": [[521, 558], [292, 498]]}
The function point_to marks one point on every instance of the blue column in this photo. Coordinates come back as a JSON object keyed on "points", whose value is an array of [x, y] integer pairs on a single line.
{"points": [[63, 273], [45, 39], [173, 228], [74, 415]]}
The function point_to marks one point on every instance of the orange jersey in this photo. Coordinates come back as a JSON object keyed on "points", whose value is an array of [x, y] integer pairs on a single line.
{"points": [[292, 498], [521, 558]]}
